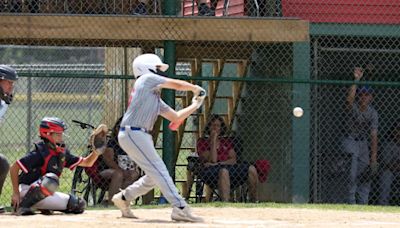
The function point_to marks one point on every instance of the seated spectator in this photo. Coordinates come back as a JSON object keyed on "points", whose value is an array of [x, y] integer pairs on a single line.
{"points": [[116, 166], [204, 9], [220, 168], [390, 159]]}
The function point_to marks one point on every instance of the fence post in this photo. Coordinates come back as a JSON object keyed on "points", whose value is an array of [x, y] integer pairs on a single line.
{"points": [[301, 126], [29, 116], [169, 96]]}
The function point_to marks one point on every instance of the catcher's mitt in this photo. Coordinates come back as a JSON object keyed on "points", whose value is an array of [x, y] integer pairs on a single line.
{"points": [[98, 139]]}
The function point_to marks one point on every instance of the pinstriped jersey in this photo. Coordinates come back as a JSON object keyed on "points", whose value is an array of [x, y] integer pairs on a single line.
{"points": [[145, 102]]}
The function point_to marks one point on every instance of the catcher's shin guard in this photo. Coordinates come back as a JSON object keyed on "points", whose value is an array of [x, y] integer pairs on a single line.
{"points": [[37, 192], [76, 205]]}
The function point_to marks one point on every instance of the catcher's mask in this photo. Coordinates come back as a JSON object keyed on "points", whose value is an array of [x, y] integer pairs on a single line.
{"points": [[148, 63], [7, 73], [50, 125]]}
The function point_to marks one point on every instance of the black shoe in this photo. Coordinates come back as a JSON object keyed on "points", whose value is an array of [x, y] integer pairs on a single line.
{"points": [[2, 209], [140, 9], [46, 212], [25, 211]]}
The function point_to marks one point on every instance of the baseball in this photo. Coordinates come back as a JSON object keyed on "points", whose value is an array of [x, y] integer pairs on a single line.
{"points": [[298, 112]]}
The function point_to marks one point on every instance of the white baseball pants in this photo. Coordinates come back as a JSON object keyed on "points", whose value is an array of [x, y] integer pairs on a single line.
{"points": [[56, 202]]}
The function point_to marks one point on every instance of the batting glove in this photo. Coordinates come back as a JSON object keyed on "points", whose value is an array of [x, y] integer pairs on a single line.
{"points": [[200, 92], [198, 100]]}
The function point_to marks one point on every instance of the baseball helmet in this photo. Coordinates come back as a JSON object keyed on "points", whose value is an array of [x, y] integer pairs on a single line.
{"points": [[50, 125], [8, 73], [147, 63]]}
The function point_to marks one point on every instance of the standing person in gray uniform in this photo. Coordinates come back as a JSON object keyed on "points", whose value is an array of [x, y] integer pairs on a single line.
{"points": [[390, 163], [7, 78], [145, 104], [361, 140]]}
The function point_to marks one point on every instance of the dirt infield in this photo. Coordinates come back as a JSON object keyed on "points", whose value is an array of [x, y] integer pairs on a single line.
{"points": [[215, 217]]}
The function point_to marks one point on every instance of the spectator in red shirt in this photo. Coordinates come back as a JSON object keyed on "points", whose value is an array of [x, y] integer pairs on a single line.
{"points": [[220, 168]]}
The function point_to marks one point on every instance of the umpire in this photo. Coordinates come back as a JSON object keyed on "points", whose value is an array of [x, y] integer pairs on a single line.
{"points": [[7, 78], [361, 141]]}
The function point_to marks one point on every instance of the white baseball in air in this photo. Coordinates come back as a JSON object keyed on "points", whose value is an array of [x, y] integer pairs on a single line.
{"points": [[298, 112]]}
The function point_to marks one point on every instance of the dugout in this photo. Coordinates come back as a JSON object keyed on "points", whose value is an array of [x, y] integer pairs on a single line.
{"points": [[333, 58]]}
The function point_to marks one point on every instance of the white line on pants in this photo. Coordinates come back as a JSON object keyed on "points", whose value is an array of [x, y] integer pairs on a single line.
{"points": [[139, 146]]}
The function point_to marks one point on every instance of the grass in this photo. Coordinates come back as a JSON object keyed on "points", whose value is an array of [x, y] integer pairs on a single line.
{"points": [[339, 207]]}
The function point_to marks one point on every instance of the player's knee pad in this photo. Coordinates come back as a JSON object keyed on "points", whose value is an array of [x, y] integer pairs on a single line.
{"points": [[49, 183], [76, 205]]}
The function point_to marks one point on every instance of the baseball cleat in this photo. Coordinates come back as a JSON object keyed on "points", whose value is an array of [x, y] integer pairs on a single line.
{"points": [[184, 215], [123, 206]]}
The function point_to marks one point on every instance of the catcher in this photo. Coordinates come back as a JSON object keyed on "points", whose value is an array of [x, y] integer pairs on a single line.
{"points": [[35, 187]]}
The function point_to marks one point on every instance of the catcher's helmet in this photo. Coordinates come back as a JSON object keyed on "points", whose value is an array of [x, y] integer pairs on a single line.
{"points": [[50, 125], [147, 63], [8, 73]]}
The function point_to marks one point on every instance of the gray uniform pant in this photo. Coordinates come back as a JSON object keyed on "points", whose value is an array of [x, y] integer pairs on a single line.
{"points": [[385, 186], [4, 167], [359, 162], [139, 147]]}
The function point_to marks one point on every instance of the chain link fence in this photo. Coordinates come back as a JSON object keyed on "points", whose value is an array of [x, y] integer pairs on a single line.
{"points": [[256, 59]]}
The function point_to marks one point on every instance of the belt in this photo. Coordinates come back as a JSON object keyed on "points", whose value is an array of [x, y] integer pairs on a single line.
{"points": [[134, 129]]}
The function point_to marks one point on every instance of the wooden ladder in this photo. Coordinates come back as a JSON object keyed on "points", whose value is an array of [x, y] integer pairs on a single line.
{"points": [[209, 103]]}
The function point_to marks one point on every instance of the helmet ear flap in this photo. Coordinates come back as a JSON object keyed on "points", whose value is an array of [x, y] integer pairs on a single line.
{"points": [[147, 63], [163, 67]]}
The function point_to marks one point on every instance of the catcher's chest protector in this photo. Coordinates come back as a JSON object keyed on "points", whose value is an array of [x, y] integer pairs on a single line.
{"points": [[53, 162]]}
